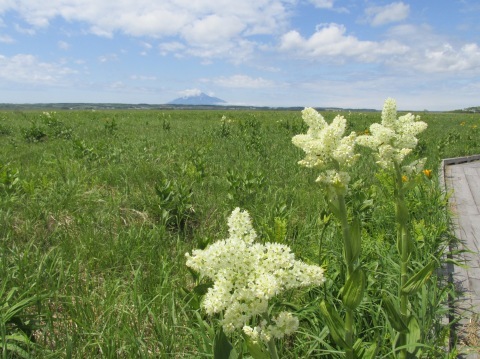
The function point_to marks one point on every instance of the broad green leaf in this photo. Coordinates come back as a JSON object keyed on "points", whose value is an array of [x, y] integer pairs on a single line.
{"points": [[354, 289], [414, 335], [355, 241], [335, 324], [222, 348], [20, 352], [415, 283], [22, 338], [393, 315], [256, 349], [334, 206]]}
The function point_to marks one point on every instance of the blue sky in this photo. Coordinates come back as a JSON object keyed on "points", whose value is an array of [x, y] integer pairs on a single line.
{"points": [[342, 53]]}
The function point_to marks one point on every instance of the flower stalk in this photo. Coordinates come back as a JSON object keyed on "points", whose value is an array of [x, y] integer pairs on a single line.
{"points": [[393, 140], [403, 241], [328, 150], [347, 248], [272, 348]]}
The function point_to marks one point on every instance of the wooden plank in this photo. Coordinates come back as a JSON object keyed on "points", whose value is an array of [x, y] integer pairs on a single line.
{"points": [[473, 181], [463, 196], [461, 176]]}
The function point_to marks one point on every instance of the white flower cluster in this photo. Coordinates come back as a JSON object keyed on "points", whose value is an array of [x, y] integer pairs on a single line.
{"points": [[247, 274], [393, 138], [285, 324], [326, 146]]}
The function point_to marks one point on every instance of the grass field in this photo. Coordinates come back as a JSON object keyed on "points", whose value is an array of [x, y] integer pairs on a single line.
{"points": [[97, 211]]}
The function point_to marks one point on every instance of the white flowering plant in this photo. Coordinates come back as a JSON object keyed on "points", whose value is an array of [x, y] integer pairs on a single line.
{"points": [[327, 149], [394, 138], [392, 141], [246, 275], [330, 151]]}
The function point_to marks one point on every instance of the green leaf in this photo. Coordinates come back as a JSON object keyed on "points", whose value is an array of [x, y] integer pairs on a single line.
{"points": [[414, 335], [202, 289], [222, 348], [365, 350], [256, 349], [415, 283], [335, 324], [370, 352], [354, 289], [358, 348], [334, 207], [393, 315], [20, 352], [355, 240]]}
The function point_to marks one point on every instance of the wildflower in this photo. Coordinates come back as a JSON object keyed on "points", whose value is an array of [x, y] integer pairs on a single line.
{"points": [[404, 178], [247, 275], [393, 138], [462, 123], [284, 324], [225, 120], [326, 147], [427, 173]]}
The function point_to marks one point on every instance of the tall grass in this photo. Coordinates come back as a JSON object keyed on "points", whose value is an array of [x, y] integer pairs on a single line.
{"points": [[98, 208]]}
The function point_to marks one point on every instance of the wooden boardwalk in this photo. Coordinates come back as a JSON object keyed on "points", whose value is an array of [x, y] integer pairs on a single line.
{"points": [[462, 180]]}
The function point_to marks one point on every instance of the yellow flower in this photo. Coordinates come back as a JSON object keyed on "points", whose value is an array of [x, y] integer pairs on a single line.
{"points": [[404, 178], [462, 123], [427, 173], [474, 126]]}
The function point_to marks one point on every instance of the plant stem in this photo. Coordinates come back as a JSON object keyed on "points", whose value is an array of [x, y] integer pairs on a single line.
{"points": [[272, 348], [402, 243], [346, 234], [349, 318]]}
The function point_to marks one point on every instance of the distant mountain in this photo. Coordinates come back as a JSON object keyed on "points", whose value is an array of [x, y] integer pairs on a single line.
{"points": [[201, 99]]}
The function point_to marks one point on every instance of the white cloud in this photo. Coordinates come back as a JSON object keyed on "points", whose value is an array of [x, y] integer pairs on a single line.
{"points": [[381, 15], [23, 30], [108, 58], [24, 68], [445, 59], [6, 39], [146, 48], [143, 78], [173, 46], [146, 45], [63, 45], [243, 81], [190, 92], [331, 41], [219, 25], [323, 4], [213, 29], [432, 53]]}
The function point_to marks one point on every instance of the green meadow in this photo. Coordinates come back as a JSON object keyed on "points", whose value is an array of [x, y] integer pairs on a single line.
{"points": [[98, 208]]}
